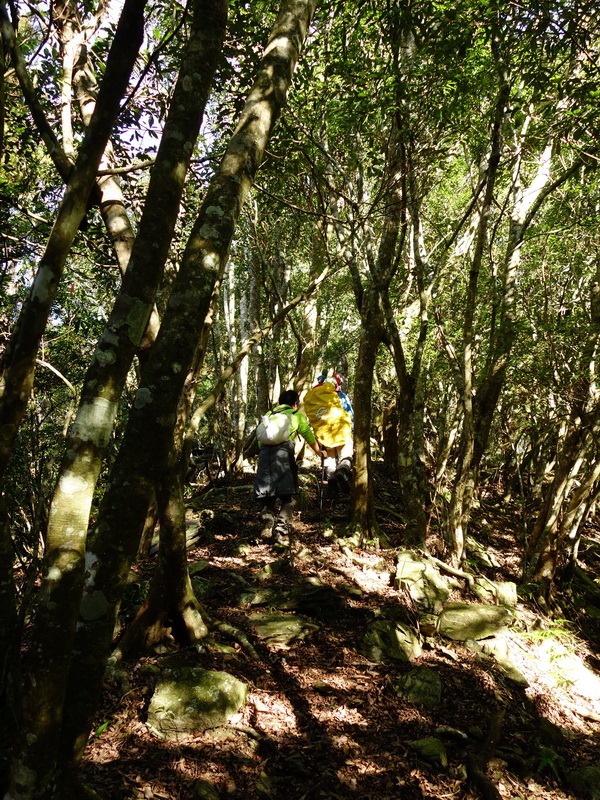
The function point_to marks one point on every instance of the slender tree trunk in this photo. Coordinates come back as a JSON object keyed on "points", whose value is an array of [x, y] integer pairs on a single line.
{"points": [[372, 300], [411, 458], [488, 393], [107, 192], [548, 534], [10, 682], [576, 512], [20, 354], [32, 766], [463, 489], [145, 450], [364, 523], [390, 424], [3, 64], [307, 329]]}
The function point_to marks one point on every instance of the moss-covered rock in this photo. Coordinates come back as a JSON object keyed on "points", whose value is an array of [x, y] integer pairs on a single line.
{"points": [[281, 630], [421, 686], [462, 621], [387, 639], [188, 700]]}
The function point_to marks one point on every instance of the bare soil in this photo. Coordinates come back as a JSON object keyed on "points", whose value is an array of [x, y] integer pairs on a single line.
{"points": [[321, 720]]}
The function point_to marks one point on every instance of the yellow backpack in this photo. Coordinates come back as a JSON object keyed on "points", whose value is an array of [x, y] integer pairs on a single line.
{"points": [[331, 424]]}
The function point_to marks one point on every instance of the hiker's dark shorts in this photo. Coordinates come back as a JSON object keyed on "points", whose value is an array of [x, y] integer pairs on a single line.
{"points": [[277, 471]]}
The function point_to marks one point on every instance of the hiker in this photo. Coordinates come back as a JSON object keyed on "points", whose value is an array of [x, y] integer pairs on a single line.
{"points": [[331, 415], [277, 471]]}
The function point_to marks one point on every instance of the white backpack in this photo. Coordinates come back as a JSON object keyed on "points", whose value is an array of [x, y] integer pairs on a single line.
{"points": [[274, 428]]}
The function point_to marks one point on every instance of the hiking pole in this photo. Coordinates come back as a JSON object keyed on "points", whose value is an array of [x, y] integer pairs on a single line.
{"points": [[322, 482]]}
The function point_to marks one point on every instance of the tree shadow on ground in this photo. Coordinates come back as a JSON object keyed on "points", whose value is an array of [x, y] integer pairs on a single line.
{"points": [[322, 720]]}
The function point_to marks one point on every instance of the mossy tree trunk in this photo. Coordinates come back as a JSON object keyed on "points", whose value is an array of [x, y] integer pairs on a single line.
{"points": [[171, 606], [32, 765], [58, 602], [147, 442]]}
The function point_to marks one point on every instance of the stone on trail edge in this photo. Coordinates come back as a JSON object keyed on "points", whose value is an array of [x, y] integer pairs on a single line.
{"points": [[386, 638], [189, 700], [421, 686], [462, 621]]}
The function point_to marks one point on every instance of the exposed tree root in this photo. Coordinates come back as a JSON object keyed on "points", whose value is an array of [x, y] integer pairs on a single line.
{"points": [[155, 622], [237, 635], [458, 573]]}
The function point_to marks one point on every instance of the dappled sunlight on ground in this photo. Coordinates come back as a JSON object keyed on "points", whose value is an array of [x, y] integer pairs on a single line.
{"points": [[323, 721]]}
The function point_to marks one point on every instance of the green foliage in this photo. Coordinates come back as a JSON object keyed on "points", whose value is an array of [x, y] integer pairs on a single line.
{"points": [[550, 761]]}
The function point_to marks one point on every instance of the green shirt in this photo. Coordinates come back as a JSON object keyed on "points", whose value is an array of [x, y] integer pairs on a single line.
{"points": [[298, 423]]}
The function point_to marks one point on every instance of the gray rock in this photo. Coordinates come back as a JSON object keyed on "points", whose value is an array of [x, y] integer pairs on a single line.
{"points": [[387, 638], [421, 686], [498, 647], [281, 630], [188, 700], [502, 592], [481, 553], [462, 621], [417, 576]]}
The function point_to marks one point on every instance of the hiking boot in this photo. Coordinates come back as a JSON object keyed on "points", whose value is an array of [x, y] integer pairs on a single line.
{"points": [[342, 477], [280, 541], [280, 536], [333, 489], [267, 521]]}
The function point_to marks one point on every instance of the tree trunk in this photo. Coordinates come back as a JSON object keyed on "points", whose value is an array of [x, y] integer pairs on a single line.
{"points": [[107, 192], [464, 483], [10, 681], [171, 605], [567, 492], [371, 299], [90, 434], [145, 450], [390, 424], [364, 523], [18, 365], [32, 767]]}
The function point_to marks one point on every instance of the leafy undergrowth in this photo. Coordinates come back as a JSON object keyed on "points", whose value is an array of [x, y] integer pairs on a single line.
{"points": [[321, 720]]}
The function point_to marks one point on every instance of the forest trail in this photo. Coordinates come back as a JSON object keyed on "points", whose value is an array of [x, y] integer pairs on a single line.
{"points": [[323, 721]]}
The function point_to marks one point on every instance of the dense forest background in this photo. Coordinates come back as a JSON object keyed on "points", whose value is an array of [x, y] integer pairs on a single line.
{"points": [[204, 204]]}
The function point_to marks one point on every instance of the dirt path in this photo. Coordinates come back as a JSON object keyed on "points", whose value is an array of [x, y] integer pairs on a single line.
{"points": [[322, 721]]}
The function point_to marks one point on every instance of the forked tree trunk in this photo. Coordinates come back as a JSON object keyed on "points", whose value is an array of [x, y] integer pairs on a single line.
{"points": [[171, 605], [147, 442]]}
